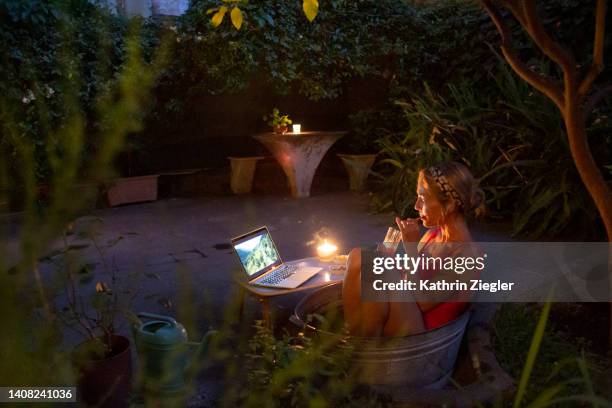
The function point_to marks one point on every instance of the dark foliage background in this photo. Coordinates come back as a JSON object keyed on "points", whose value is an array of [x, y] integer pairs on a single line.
{"points": [[347, 69]]}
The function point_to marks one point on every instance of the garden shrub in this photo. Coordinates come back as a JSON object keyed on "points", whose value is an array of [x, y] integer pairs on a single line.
{"points": [[514, 142], [348, 39], [57, 58], [295, 371], [485, 112], [561, 360]]}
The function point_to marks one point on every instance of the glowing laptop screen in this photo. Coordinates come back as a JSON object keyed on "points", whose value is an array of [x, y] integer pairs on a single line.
{"points": [[257, 252]]}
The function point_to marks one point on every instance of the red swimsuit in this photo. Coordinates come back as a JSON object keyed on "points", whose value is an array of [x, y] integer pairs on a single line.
{"points": [[443, 312]]}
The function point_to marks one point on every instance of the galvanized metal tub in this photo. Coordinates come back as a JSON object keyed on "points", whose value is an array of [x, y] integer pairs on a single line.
{"points": [[424, 360]]}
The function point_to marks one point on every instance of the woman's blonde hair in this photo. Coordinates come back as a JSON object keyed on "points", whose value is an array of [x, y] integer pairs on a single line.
{"points": [[452, 181]]}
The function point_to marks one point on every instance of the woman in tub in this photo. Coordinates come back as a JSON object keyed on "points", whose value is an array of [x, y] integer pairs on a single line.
{"points": [[446, 194]]}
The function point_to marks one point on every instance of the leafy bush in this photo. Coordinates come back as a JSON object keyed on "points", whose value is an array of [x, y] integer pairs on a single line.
{"points": [[295, 371], [514, 142], [367, 126], [53, 51], [348, 39]]}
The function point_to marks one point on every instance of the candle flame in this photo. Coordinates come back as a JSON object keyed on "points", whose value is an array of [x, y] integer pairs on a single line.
{"points": [[326, 250], [327, 247]]}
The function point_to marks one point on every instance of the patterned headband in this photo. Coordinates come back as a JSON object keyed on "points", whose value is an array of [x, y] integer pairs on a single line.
{"points": [[444, 185]]}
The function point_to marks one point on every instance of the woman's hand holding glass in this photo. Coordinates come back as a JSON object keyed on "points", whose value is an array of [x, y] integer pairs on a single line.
{"points": [[409, 229], [390, 243]]}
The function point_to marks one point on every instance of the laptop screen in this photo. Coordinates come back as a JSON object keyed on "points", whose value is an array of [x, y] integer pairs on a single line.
{"points": [[256, 251]]}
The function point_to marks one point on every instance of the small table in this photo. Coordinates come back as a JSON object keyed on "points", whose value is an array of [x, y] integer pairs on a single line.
{"points": [[299, 154], [324, 277]]}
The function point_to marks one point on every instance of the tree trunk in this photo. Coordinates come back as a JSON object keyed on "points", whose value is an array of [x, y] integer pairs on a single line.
{"points": [[586, 166], [590, 175], [592, 179], [569, 97]]}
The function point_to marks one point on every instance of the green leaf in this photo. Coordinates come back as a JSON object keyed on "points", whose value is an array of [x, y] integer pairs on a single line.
{"points": [[538, 335], [311, 9], [541, 201], [217, 19], [543, 400], [236, 16], [393, 162]]}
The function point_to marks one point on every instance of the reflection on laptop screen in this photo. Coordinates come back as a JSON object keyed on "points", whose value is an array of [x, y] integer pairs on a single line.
{"points": [[257, 252]]}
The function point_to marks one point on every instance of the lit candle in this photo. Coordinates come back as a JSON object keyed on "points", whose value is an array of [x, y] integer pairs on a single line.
{"points": [[297, 128], [327, 277], [326, 251]]}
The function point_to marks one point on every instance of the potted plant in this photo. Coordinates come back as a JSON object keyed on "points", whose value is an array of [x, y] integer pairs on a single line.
{"points": [[95, 300], [361, 142], [279, 123]]}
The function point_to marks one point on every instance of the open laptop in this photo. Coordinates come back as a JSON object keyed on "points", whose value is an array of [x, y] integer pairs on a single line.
{"points": [[263, 265]]}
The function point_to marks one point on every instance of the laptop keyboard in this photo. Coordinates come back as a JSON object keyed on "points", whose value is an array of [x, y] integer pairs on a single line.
{"points": [[279, 275]]}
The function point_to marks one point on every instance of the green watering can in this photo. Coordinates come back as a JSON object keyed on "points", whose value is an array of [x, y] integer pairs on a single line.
{"points": [[169, 361]]}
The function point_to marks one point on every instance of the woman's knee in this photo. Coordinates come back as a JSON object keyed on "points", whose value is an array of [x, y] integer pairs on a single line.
{"points": [[353, 262], [352, 279]]}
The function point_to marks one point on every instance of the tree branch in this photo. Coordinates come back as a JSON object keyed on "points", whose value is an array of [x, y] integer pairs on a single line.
{"points": [[544, 84], [598, 49], [516, 9], [548, 46]]}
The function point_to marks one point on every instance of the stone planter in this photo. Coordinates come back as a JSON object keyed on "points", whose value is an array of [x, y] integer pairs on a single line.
{"points": [[133, 190], [358, 167], [243, 170]]}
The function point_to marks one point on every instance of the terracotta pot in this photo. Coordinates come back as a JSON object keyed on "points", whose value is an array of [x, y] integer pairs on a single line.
{"points": [[358, 167], [280, 130], [107, 381], [133, 190]]}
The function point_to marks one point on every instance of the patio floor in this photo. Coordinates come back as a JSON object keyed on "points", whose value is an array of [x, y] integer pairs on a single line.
{"points": [[170, 244]]}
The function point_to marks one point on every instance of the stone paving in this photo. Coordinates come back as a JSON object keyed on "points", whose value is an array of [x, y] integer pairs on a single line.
{"points": [[171, 244], [172, 241]]}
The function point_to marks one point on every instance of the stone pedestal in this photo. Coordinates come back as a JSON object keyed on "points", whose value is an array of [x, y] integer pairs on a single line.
{"points": [[299, 155]]}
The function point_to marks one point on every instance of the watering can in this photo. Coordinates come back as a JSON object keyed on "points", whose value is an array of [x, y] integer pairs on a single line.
{"points": [[169, 361]]}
